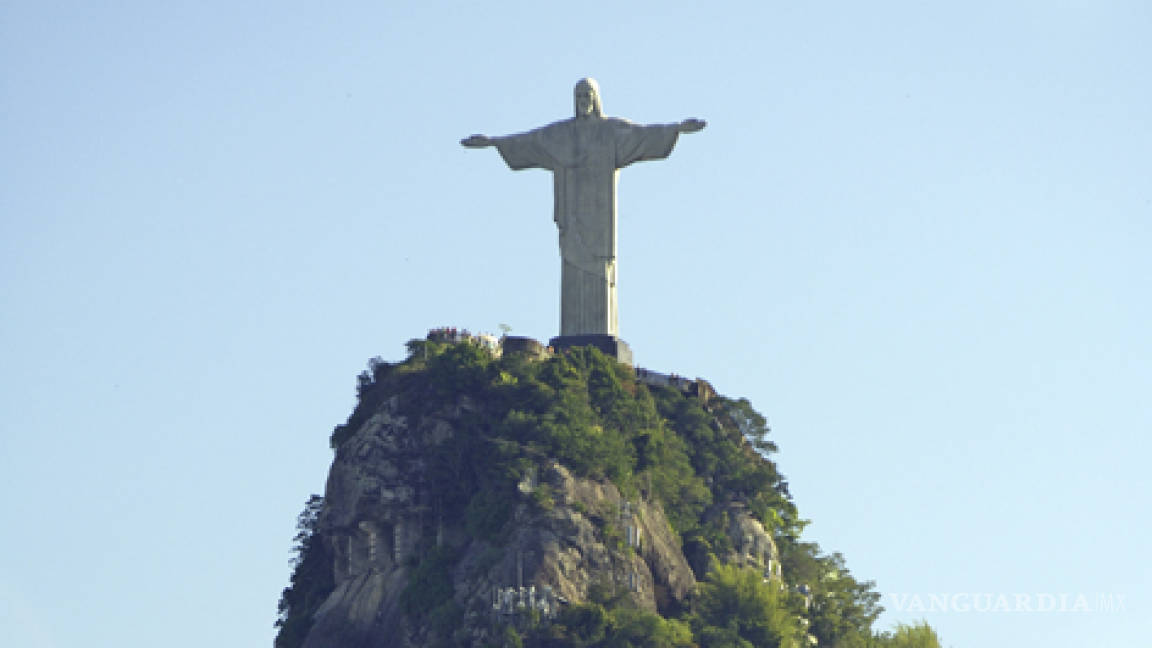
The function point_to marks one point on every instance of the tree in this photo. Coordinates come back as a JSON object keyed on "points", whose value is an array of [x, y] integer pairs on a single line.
{"points": [[737, 607], [920, 635], [843, 608], [312, 578]]}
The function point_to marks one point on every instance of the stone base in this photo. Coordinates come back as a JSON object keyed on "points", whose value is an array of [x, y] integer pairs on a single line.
{"points": [[609, 345], [526, 345]]}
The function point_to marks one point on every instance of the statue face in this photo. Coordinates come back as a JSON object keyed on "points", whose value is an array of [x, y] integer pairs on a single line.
{"points": [[585, 100]]}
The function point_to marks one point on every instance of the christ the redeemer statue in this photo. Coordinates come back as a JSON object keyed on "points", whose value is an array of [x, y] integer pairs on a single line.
{"points": [[584, 155]]}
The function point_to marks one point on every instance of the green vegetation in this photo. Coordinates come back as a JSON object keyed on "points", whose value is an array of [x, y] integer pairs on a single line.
{"points": [[843, 609], [311, 579], [429, 590], [737, 608], [512, 415], [590, 625], [920, 635], [589, 413]]}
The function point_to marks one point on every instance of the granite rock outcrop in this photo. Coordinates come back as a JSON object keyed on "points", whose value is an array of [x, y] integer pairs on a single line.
{"points": [[565, 537]]}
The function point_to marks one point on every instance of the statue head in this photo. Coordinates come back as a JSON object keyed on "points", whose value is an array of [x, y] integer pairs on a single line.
{"points": [[586, 97]]}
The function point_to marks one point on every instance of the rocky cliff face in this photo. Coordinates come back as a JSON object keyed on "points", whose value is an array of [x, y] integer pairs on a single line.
{"points": [[483, 500], [565, 537]]}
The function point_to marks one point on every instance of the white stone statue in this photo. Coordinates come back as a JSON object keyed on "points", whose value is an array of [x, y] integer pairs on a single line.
{"points": [[584, 155]]}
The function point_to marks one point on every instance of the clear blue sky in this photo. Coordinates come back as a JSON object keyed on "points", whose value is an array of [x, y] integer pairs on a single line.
{"points": [[916, 236]]}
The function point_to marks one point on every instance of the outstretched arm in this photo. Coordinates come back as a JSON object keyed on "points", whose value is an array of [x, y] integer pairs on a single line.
{"points": [[691, 125], [478, 141], [520, 151]]}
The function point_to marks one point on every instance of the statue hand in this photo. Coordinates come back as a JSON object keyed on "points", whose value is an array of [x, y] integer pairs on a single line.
{"points": [[477, 141], [692, 125]]}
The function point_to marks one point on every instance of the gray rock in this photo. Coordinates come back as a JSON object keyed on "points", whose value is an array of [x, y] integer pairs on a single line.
{"points": [[376, 516], [752, 544]]}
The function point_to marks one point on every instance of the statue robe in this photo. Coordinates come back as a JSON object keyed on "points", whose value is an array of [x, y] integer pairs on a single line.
{"points": [[584, 156]]}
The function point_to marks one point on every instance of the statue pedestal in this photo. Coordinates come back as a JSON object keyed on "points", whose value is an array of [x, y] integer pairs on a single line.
{"points": [[609, 345]]}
